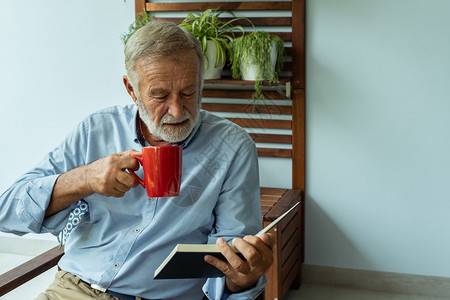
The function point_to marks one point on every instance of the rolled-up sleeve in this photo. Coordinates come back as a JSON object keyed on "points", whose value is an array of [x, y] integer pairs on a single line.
{"points": [[23, 205]]}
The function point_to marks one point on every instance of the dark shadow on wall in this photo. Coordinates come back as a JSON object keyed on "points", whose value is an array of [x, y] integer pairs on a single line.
{"points": [[326, 244]]}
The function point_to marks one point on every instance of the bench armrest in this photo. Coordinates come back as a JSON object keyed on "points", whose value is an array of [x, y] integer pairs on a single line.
{"points": [[30, 269]]}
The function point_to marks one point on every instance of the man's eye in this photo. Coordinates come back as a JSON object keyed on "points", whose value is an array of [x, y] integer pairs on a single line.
{"points": [[159, 98], [188, 94]]}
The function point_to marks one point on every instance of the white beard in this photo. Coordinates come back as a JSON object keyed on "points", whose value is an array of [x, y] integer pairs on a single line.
{"points": [[170, 135]]}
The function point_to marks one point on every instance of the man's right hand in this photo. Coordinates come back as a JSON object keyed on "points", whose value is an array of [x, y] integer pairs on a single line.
{"points": [[106, 176]]}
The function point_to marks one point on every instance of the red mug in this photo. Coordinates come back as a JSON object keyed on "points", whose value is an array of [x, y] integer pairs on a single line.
{"points": [[162, 170]]}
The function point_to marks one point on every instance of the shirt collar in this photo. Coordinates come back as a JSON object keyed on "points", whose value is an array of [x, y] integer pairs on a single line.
{"points": [[139, 137]]}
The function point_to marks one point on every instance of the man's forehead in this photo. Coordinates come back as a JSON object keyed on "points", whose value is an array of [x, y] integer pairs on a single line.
{"points": [[151, 67], [174, 58]]}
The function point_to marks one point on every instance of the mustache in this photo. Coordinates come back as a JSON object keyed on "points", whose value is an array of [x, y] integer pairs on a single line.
{"points": [[169, 119]]}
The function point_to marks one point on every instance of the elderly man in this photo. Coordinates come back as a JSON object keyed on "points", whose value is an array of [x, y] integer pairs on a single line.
{"points": [[122, 235]]}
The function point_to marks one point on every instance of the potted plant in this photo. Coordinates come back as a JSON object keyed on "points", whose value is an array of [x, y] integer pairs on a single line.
{"points": [[257, 56], [214, 35]]}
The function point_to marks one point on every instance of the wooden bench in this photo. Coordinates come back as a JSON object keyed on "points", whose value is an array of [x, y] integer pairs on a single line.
{"points": [[286, 269]]}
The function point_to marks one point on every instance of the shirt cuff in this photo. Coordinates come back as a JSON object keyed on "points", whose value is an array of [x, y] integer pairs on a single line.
{"points": [[31, 209], [214, 289]]}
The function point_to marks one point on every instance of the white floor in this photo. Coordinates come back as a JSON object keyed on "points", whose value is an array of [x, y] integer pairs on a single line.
{"points": [[322, 292]]}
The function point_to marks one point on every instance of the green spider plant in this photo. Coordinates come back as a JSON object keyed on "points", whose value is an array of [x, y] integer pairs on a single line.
{"points": [[254, 48], [207, 25]]}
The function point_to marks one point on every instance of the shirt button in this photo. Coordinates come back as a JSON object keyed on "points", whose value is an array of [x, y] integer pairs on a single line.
{"points": [[137, 230], [116, 265]]}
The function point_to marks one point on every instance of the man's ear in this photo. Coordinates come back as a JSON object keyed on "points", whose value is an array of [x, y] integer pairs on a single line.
{"points": [[130, 89]]}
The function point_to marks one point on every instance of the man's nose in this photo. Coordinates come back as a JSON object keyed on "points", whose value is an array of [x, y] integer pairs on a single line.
{"points": [[175, 106]]}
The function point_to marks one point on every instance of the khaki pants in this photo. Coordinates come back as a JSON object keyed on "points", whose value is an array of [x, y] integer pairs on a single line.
{"points": [[69, 287]]}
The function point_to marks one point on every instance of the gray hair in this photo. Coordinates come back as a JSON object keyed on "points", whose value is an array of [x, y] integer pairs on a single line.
{"points": [[156, 40]]}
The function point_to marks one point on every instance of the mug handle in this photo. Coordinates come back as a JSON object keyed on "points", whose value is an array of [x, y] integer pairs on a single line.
{"points": [[139, 158]]}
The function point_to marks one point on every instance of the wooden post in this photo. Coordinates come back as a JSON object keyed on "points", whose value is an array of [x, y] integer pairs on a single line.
{"points": [[139, 7]]}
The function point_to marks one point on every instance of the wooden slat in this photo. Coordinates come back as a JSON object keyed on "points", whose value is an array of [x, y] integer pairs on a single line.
{"points": [[262, 123], [237, 94], [267, 21], [287, 66], [269, 203], [289, 280], [298, 43], [298, 153], [139, 7], [267, 196], [196, 6], [298, 138], [264, 209], [30, 269], [289, 226], [248, 108], [271, 138], [289, 198], [289, 263], [268, 191], [272, 152], [273, 278], [291, 244], [285, 36], [288, 52], [249, 83], [270, 198]]}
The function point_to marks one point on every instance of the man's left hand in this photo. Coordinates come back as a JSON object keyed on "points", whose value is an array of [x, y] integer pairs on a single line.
{"points": [[244, 273]]}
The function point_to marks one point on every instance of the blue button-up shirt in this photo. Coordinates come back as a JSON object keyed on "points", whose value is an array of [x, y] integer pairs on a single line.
{"points": [[121, 241]]}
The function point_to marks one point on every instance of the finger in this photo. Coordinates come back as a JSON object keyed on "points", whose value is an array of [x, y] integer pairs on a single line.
{"points": [[131, 152], [127, 179], [264, 251], [219, 264], [116, 193], [232, 262], [120, 187], [235, 261], [128, 162], [267, 238], [250, 250], [111, 191], [257, 241]]}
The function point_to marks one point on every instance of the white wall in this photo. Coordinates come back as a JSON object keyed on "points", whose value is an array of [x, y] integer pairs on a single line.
{"points": [[59, 61], [377, 115], [378, 123]]}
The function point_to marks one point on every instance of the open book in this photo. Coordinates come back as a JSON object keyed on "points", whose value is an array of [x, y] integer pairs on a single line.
{"points": [[187, 260]]}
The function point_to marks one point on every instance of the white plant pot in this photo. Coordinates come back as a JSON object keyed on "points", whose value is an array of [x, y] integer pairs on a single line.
{"points": [[211, 71], [249, 71]]}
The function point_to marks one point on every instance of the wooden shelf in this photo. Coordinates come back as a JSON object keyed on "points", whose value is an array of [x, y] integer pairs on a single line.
{"points": [[229, 80]]}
